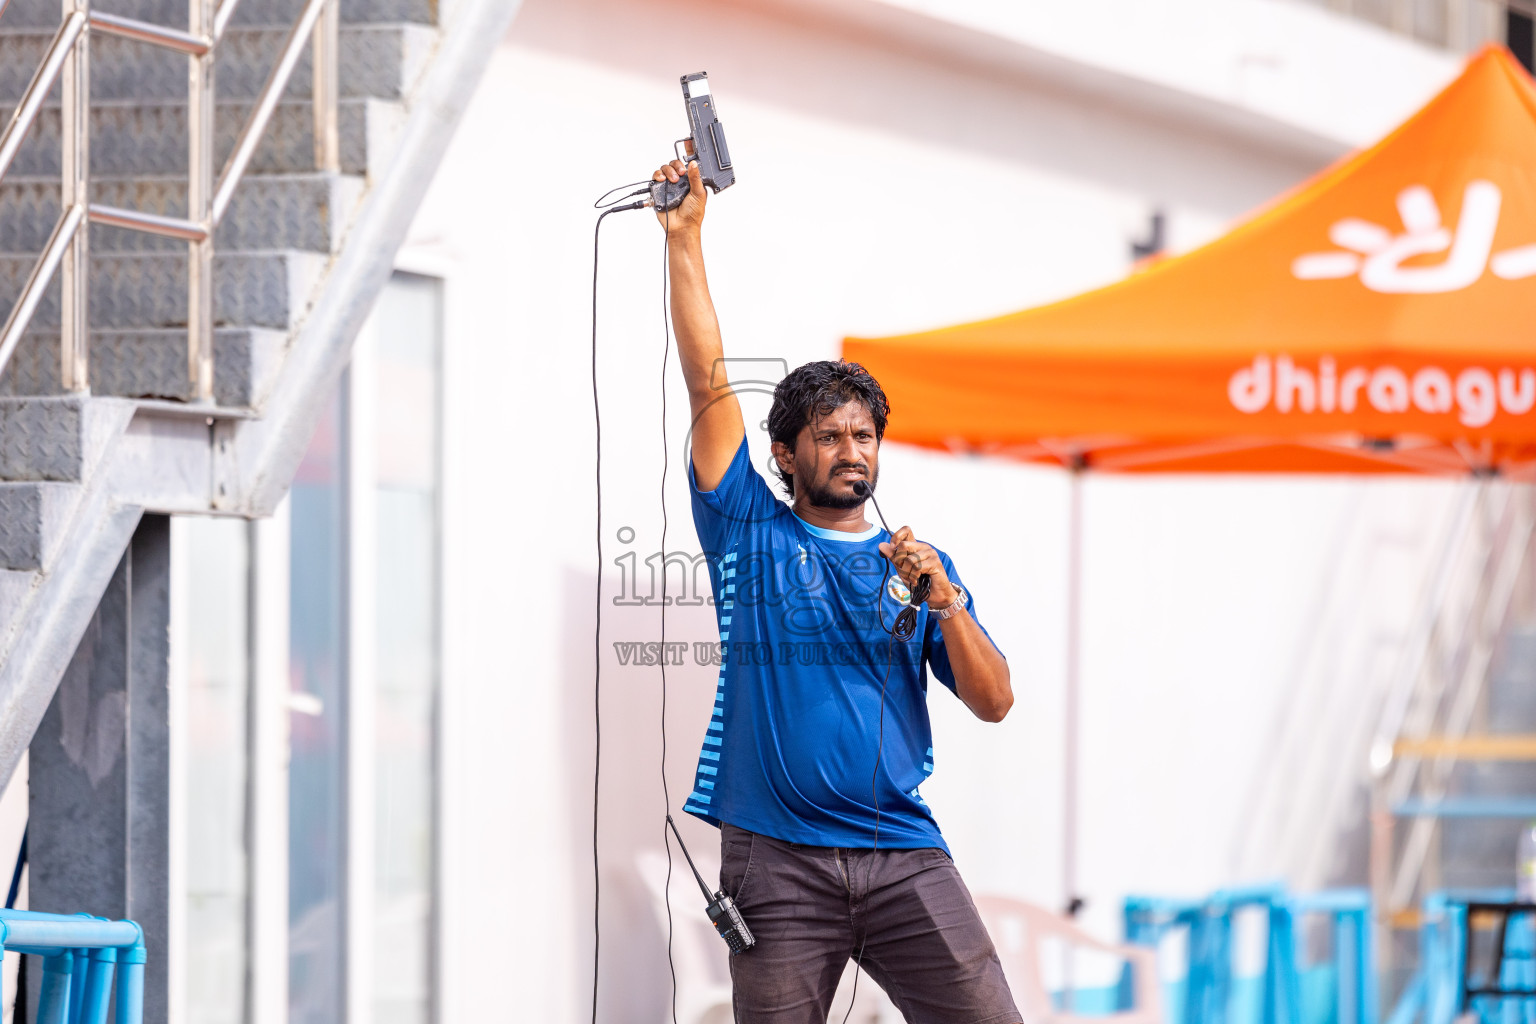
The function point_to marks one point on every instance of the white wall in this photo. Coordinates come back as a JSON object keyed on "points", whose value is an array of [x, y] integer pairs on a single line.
{"points": [[882, 188], [1300, 65]]}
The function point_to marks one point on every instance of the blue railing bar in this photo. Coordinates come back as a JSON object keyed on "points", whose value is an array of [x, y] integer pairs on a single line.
{"points": [[98, 985], [1160, 911], [40, 915], [77, 985], [53, 1000], [1331, 900], [81, 955], [62, 933], [1470, 807], [1240, 895], [1437, 902], [1174, 908], [130, 987]]}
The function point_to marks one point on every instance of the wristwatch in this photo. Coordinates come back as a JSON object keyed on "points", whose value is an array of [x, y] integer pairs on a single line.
{"points": [[952, 609]]}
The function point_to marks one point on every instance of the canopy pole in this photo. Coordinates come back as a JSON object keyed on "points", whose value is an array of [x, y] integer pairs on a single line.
{"points": [[1071, 704]]}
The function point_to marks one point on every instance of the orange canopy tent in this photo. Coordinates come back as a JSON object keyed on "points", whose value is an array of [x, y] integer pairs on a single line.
{"points": [[1380, 317]]}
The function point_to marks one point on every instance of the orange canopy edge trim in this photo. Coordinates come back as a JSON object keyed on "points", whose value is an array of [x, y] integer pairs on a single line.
{"points": [[1375, 318]]}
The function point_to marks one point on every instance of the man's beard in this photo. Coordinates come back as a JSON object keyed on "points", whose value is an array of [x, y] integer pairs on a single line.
{"points": [[823, 496]]}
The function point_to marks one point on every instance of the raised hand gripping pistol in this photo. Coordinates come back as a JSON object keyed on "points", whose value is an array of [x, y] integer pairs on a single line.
{"points": [[709, 149]]}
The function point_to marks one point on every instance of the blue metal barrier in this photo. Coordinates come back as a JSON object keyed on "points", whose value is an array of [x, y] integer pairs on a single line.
{"points": [[1289, 990], [1499, 990], [82, 956], [1350, 971], [1207, 992]]}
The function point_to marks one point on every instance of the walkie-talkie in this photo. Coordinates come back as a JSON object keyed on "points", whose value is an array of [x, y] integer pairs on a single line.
{"points": [[720, 908], [708, 138]]}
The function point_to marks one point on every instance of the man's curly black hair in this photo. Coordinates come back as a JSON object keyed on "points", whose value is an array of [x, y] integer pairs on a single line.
{"points": [[818, 389]]}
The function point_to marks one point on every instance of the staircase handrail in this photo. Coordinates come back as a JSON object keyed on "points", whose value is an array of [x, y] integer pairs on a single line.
{"points": [[1487, 617], [1408, 672], [1300, 790], [1470, 600], [208, 198], [1486, 613]]}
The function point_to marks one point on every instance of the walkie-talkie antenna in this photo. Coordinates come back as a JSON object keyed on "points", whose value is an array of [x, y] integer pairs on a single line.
{"points": [[708, 896]]}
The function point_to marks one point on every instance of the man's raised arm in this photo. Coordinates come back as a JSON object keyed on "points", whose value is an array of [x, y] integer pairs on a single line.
{"points": [[717, 423]]}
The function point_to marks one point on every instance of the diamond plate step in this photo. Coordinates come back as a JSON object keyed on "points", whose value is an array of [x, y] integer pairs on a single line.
{"points": [[376, 60], [153, 364], [150, 289], [173, 13], [51, 439], [32, 518], [303, 211], [130, 139]]}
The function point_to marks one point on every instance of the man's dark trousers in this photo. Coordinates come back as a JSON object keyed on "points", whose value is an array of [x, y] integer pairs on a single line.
{"points": [[811, 908]]}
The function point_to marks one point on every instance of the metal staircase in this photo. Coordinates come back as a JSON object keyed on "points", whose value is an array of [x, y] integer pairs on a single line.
{"points": [[1406, 750], [1453, 753], [1308, 798], [198, 205]]}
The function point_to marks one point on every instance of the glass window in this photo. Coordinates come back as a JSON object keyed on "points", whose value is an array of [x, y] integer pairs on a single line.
{"points": [[1520, 36], [317, 617], [213, 646], [404, 333]]}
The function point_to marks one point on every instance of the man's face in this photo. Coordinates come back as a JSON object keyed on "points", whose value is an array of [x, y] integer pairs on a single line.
{"points": [[831, 453]]}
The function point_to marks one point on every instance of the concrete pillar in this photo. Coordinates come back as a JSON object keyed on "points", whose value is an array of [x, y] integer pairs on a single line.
{"points": [[100, 768]]}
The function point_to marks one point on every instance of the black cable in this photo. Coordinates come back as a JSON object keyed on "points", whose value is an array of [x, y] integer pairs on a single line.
{"points": [[21, 865], [902, 629], [604, 203], [858, 961], [906, 620], [597, 631], [666, 797]]}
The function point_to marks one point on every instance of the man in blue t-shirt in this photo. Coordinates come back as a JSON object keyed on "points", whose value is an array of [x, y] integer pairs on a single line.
{"points": [[820, 740]]}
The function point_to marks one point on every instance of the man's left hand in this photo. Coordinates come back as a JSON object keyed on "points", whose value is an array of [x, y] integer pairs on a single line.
{"points": [[912, 559]]}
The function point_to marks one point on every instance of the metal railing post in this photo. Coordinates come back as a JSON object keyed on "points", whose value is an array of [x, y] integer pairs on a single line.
{"points": [[200, 171], [327, 87], [74, 323]]}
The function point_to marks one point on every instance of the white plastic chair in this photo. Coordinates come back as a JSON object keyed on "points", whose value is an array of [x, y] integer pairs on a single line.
{"points": [[1018, 929]]}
